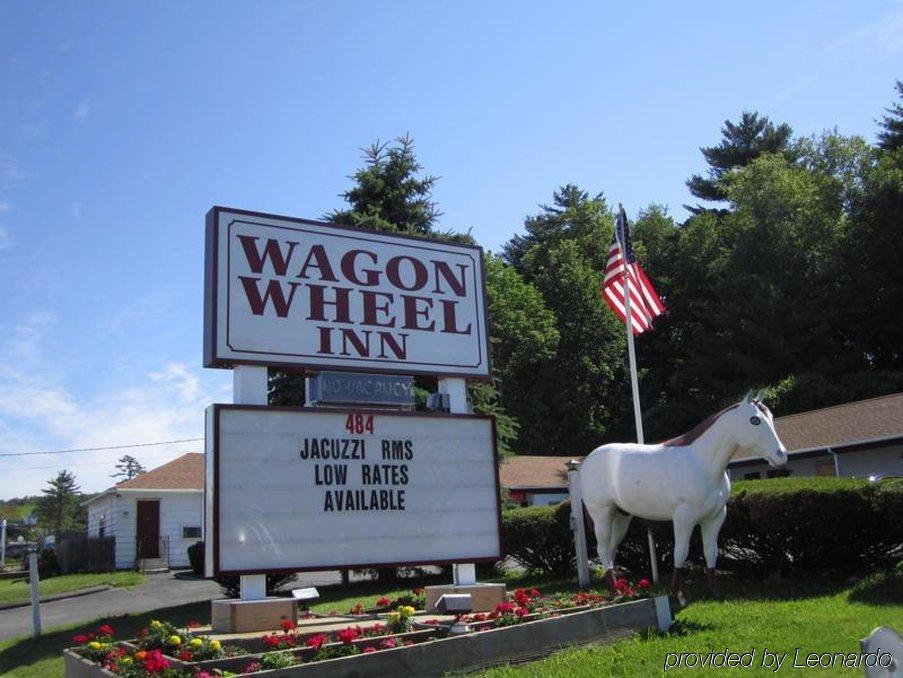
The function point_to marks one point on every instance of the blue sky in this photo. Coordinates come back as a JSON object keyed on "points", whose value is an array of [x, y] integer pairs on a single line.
{"points": [[122, 123]]}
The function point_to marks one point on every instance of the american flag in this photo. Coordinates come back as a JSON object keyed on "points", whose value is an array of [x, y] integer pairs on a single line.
{"points": [[644, 302]]}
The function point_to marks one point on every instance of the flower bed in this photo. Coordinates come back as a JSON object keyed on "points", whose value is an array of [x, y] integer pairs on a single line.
{"points": [[169, 652]]}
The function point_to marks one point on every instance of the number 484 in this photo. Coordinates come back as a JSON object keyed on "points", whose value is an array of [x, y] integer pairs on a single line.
{"points": [[359, 423]]}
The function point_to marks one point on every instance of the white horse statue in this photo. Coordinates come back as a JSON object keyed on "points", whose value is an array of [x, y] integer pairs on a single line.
{"points": [[682, 480]]}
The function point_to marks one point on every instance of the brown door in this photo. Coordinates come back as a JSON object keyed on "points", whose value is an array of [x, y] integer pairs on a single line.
{"points": [[149, 528]]}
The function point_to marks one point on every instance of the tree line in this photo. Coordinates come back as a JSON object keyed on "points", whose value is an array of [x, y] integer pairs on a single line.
{"points": [[787, 276]]}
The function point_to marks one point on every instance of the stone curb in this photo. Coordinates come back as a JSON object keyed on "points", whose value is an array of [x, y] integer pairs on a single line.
{"points": [[58, 596]]}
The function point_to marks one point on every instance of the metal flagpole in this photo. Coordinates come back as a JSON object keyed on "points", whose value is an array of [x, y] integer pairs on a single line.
{"points": [[634, 382]]}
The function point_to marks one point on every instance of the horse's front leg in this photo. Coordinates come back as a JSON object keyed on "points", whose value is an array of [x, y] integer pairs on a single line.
{"points": [[710, 527], [602, 518], [685, 518]]}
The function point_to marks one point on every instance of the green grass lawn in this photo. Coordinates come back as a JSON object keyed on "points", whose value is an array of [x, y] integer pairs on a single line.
{"points": [[815, 615], [15, 590]]}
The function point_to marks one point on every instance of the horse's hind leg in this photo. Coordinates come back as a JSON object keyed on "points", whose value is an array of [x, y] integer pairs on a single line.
{"points": [[602, 525], [620, 523]]}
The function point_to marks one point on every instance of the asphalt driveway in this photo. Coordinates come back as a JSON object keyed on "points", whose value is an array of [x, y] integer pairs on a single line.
{"points": [[158, 591]]}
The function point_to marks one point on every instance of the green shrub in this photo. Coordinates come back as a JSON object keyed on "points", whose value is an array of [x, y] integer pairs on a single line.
{"points": [[539, 538], [787, 525]]}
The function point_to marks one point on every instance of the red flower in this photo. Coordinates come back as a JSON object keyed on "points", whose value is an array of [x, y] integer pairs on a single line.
{"points": [[417, 591], [643, 583], [505, 608], [287, 625], [253, 667], [317, 640], [185, 655], [521, 597], [193, 623], [79, 639], [535, 593], [368, 650], [522, 612], [383, 602], [90, 637], [155, 662], [271, 641], [347, 636], [105, 630], [389, 643]]}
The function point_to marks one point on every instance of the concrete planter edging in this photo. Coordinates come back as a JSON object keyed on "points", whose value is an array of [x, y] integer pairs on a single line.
{"points": [[510, 644]]}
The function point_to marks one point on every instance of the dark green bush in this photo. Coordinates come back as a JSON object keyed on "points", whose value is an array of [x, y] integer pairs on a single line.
{"points": [[196, 557], [539, 537], [787, 525]]}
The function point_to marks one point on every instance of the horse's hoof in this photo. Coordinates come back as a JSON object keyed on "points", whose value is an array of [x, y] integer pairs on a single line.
{"points": [[679, 600]]}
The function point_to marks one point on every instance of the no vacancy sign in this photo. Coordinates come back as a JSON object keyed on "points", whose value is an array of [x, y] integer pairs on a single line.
{"points": [[298, 489], [296, 293]]}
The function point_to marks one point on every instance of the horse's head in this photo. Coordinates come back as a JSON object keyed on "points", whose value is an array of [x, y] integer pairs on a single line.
{"points": [[755, 430]]}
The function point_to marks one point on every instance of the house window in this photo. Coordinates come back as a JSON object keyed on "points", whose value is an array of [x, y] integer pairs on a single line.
{"points": [[755, 475], [191, 533], [101, 527], [778, 472]]}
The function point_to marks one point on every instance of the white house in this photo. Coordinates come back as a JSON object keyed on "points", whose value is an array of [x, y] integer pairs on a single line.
{"points": [[156, 515]]}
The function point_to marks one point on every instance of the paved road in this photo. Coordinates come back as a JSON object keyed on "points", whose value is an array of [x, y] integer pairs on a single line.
{"points": [[157, 591]]}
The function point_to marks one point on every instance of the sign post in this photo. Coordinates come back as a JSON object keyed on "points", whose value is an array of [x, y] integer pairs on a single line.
{"points": [[35, 594], [577, 523], [3, 543]]}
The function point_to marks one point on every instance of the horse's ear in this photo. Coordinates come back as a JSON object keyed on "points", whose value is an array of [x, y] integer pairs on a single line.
{"points": [[759, 395], [748, 397]]}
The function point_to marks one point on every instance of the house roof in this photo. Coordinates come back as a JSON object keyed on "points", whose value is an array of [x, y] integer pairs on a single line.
{"points": [[525, 472], [182, 473], [842, 425]]}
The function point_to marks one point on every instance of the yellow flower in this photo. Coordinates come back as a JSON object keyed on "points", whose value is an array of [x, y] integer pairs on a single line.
{"points": [[155, 624], [394, 616], [175, 640], [196, 642], [406, 610], [214, 645], [94, 645], [125, 661]]}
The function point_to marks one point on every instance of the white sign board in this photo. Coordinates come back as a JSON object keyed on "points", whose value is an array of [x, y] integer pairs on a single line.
{"points": [[298, 489], [304, 294]]}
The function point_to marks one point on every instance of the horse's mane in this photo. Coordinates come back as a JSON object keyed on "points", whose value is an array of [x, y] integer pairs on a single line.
{"points": [[700, 428]]}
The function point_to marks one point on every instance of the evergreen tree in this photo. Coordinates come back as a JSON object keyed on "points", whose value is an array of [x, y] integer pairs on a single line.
{"points": [[741, 142], [890, 138], [59, 508], [578, 394], [128, 467], [388, 194]]}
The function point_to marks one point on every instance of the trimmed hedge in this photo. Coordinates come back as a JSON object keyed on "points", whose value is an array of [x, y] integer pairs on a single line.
{"points": [[786, 525]]}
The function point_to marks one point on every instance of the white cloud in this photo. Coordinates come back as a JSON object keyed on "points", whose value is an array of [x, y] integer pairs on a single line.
{"points": [[883, 37], [40, 410], [81, 111], [34, 131], [10, 172]]}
